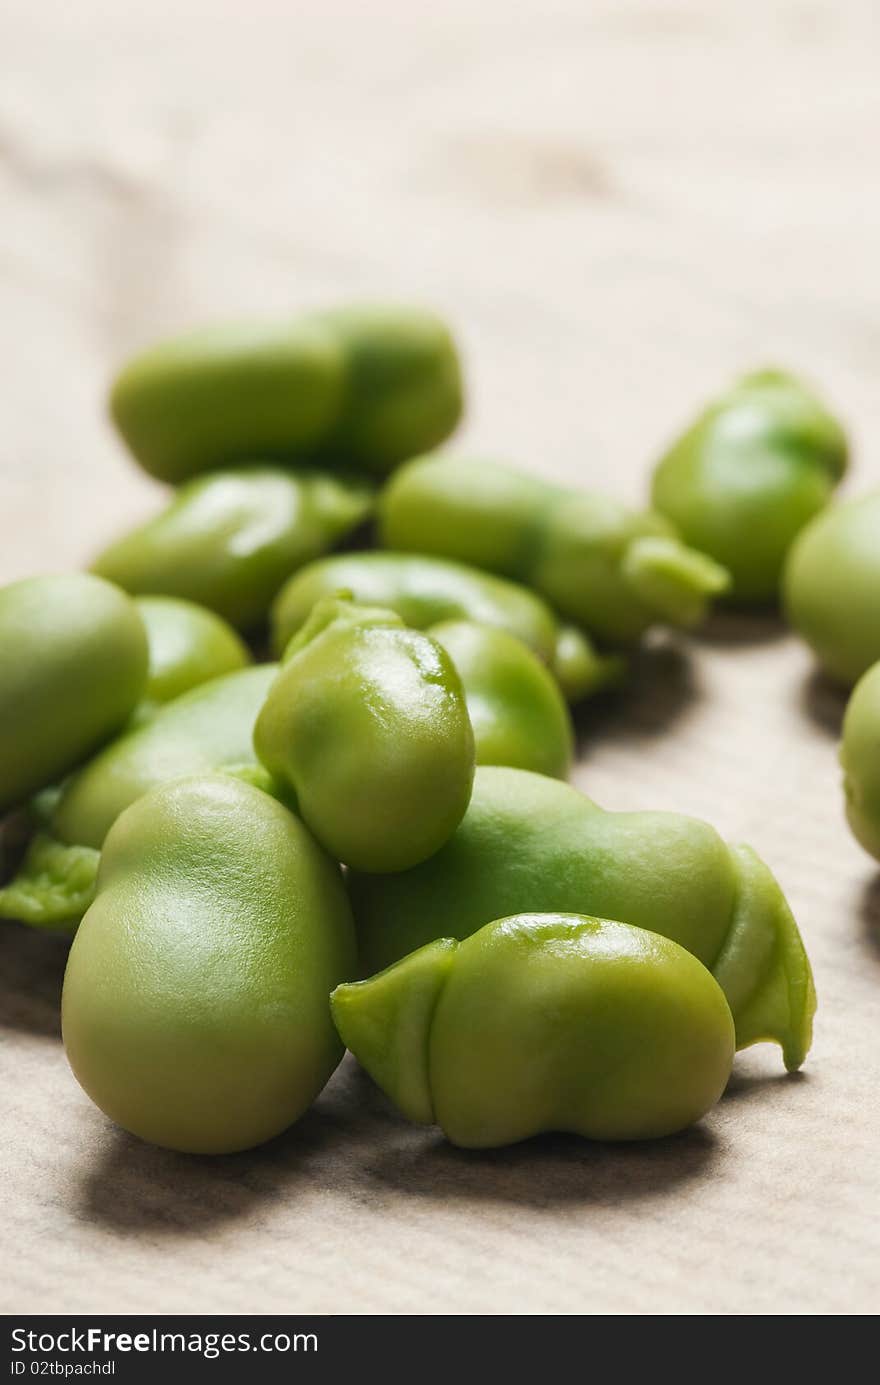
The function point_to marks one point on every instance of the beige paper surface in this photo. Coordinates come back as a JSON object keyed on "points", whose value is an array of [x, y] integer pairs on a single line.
{"points": [[619, 206]]}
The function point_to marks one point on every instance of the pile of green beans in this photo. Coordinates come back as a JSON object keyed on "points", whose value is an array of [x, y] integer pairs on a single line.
{"points": [[369, 843]]}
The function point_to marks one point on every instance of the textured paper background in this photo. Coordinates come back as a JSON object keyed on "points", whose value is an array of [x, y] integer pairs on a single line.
{"points": [[619, 205]]}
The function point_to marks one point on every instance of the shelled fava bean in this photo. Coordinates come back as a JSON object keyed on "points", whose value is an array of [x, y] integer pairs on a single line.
{"points": [[504, 956]]}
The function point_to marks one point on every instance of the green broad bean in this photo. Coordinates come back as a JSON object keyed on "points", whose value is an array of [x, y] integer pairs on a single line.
{"points": [[531, 844], [611, 571], [831, 587], [195, 1009], [745, 478], [228, 540], [424, 591], [860, 759], [367, 725], [517, 711], [364, 386], [188, 645], [544, 1022], [74, 667], [225, 394]]}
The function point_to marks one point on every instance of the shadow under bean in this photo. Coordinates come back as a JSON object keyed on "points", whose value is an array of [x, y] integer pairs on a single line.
{"points": [[824, 703], [659, 689], [31, 974], [134, 1187], [353, 1142], [546, 1171], [869, 912], [731, 626], [750, 1084], [15, 832]]}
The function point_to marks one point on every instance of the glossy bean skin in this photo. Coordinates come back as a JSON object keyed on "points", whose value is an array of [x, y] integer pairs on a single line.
{"points": [[744, 479], [230, 539], [516, 708], [402, 391], [532, 844], [610, 570], [544, 1022], [424, 591], [831, 587], [222, 395], [188, 645], [860, 759], [367, 725], [74, 666], [195, 1009], [362, 386]]}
